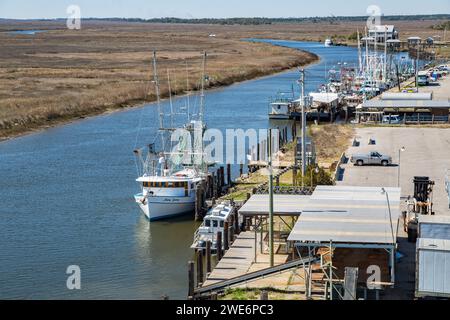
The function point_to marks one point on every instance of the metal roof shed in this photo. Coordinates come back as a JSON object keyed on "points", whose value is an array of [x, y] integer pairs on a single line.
{"points": [[350, 217], [433, 268]]}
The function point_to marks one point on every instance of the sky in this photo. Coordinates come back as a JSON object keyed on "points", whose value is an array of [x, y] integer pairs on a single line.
{"points": [[29, 9]]}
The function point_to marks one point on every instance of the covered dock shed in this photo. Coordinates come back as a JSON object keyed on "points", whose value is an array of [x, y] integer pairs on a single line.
{"points": [[359, 224], [411, 111]]}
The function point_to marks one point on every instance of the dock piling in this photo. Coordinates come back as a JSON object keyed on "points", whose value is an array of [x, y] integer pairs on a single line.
{"points": [[219, 246], [199, 267], [226, 236], [191, 277], [229, 174], [208, 257]]}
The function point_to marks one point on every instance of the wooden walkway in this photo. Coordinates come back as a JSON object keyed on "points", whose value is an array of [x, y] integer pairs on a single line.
{"points": [[237, 260]]}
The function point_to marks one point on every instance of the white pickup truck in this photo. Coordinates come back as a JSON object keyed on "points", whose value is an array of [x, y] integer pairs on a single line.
{"points": [[371, 158]]}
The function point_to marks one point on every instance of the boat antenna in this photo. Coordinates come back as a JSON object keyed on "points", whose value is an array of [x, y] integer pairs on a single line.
{"points": [[202, 95], [170, 98], [158, 99]]}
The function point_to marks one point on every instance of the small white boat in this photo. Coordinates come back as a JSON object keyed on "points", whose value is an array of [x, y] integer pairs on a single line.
{"points": [[280, 111], [328, 43], [213, 224]]}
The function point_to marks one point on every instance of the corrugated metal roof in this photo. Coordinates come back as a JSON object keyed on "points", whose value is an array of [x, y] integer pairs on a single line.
{"points": [[406, 96], [434, 227], [349, 215], [381, 104], [286, 205]]}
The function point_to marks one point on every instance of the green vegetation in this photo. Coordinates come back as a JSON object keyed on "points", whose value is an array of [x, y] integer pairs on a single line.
{"points": [[442, 26]]}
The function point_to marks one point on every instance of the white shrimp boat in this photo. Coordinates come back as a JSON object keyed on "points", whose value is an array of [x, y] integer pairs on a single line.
{"points": [[169, 179]]}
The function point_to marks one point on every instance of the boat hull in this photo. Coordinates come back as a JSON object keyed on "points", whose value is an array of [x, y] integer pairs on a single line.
{"points": [[160, 208]]}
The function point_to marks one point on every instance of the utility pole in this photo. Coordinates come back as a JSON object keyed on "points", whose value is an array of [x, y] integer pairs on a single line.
{"points": [[302, 98], [385, 55], [271, 247]]}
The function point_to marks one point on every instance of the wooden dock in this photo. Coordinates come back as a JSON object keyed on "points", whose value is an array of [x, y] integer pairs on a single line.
{"points": [[237, 260]]}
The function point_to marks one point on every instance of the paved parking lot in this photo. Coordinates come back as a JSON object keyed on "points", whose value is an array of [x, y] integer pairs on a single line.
{"points": [[427, 154]]}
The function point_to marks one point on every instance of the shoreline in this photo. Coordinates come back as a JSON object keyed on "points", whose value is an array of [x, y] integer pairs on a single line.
{"points": [[134, 104]]}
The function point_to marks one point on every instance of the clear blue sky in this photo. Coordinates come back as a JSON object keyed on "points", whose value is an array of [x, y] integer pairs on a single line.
{"points": [[24, 9]]}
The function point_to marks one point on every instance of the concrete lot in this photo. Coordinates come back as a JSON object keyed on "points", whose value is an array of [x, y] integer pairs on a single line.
{"points": [[427, 154]]}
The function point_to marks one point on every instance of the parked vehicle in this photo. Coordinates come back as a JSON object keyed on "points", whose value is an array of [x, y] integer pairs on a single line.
{"points": [[371, 158], [392, 119], [423, 79]]}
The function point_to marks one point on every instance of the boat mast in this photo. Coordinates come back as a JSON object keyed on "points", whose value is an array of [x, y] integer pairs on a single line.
{"points": [[359, 53], [202, 94], [188, 93], [158, 99]]}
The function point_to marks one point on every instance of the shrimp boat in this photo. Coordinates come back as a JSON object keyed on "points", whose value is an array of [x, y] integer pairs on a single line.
{"points": [[169, 179], [213, 224]]}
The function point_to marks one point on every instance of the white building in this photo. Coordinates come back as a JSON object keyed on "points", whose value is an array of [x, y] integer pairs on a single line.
{"points": [[380, 32]]}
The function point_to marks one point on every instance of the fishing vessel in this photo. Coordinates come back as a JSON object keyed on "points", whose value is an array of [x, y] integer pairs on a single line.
{"points": [[328, 43], [282, 107], [169, 179], [213, 224]]}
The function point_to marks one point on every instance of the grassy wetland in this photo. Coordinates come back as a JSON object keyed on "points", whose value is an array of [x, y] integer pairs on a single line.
{"points": [[61, 75]]}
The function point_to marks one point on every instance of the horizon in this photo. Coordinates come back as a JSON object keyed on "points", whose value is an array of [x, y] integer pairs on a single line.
{"points": [[202, 9]]}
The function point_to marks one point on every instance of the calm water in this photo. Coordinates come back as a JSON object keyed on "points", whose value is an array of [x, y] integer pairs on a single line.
{"points": [[27, 32], [66, 198]]}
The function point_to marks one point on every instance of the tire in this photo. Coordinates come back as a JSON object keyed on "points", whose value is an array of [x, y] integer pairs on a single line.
{"points": [[384, 163], [359, 163]]}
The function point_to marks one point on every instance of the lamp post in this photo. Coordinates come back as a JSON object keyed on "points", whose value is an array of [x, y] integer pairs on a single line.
{"points": [[399, 162], [383, 191]]}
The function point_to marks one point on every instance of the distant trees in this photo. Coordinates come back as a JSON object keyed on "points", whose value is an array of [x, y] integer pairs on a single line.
{"points": [[267, 21]]}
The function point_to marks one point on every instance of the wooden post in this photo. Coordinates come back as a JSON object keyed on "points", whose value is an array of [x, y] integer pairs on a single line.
{"points": [[241, 169], [210, 186], [222, 177], [226, 236], [236, 223], [208, 257], [232, 230], [219, 246], [191, 279], [229, 174], [264, 295], [294, 176], [199, 267]]}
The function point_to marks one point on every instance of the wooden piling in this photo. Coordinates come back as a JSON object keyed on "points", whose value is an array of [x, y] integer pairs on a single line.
{"points": [[294, 176], [199, 267], [208, 257], [241, 169], [229, 174], [222, 177], [264, 295], [191, 276], [237, 229], [219, 246], [226, 236]]}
